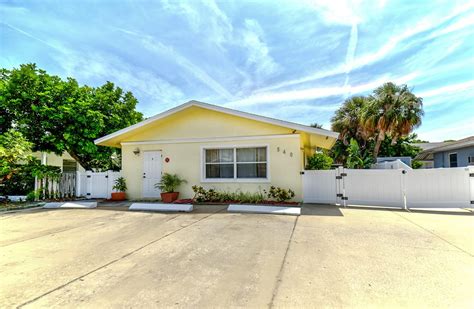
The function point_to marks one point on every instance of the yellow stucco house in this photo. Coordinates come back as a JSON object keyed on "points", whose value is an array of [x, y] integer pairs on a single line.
{"points": [[215, 147]]}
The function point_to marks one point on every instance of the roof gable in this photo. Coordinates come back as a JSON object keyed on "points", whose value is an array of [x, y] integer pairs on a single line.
{"points": [[129, 131]]}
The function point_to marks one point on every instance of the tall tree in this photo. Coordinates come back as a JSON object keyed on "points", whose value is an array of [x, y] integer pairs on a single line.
{"points": [[59, 115], [347, 120], [392, 110]]}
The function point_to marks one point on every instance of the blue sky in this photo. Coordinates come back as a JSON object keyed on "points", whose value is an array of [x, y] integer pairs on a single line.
{"points": [[293, 60]]}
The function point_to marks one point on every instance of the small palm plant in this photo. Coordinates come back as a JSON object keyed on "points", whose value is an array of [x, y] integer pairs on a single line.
{"points": [[168, 184], [120, 186]]}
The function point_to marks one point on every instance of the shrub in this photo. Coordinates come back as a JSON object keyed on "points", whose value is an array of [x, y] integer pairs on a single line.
{"points": [[202, 195], [33, 196], [120, 184], [319, 161], [280, 194], [169, 183]]}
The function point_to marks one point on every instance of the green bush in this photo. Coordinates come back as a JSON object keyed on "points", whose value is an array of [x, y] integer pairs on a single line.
{"points": [[202, 195], [319, 161], [120, 185], [279, 194]]}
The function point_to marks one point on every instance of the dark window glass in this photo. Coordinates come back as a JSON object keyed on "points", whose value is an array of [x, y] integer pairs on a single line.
{"points": [[453, 160], [219, 170], [251, 170]]}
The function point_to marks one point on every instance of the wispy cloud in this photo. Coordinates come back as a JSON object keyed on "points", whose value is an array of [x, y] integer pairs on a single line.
{"points": [[452, 130], [169, 52], [447, 90], [315, 93]]}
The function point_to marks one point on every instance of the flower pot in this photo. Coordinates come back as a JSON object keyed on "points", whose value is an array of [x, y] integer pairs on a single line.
{"points": [[169, 197], [118, 196]]}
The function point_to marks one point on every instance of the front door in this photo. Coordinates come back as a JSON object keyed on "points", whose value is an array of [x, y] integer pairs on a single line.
{"points": [[151, 173]]}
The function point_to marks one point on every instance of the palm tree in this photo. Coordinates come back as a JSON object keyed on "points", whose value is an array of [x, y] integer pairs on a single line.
{"points": [[391, 110], [347, 120]]}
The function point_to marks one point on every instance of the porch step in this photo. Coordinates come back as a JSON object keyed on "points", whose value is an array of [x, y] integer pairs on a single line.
{"points": [[276, 210], [161, 207]]}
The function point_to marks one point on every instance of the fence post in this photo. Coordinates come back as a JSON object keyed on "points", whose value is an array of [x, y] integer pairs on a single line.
{"points": [[88, 184], [404, 192], [78, 184]]}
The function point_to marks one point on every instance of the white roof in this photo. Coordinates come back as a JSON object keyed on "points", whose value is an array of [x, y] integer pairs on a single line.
{"points": [[282, 123]]}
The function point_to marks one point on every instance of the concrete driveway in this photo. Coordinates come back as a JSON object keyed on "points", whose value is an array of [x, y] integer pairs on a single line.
{"points": [[329, 257]]}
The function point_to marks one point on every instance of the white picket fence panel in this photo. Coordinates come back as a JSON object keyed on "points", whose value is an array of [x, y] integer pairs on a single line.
{"points": [[96, 185], [422, 188]]}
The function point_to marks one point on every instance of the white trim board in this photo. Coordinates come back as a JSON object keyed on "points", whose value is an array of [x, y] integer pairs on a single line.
{"points": [[275, 210], [282, 123], [210, 139]]}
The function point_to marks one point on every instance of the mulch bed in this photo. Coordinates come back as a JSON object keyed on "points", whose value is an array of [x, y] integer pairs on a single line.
{"points": [[272, 203]]}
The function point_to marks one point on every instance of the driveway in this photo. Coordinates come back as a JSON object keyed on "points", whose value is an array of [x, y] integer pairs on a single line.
{"points": [[329, 257]]}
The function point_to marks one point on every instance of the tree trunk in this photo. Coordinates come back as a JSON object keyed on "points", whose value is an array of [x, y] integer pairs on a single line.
{"points": [[378, 143], [85, 165]]}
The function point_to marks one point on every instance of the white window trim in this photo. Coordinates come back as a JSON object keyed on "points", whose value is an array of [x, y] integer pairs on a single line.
{"points": [[235, 179], [449, 159]]}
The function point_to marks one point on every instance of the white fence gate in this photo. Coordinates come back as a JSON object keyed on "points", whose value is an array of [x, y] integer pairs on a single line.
{"points": [[96, 185], [430, 188]]}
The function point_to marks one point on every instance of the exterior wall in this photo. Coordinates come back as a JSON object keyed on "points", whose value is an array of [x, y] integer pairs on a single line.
{"points": [[55, 160], [285, 163], [441, 159]]}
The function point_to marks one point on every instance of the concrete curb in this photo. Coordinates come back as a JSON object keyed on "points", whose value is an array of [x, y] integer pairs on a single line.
{"points": [[79, 205], [162, 207], [276, 210]]}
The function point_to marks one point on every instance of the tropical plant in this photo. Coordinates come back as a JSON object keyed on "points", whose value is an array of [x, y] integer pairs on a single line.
{"points": [[14, 149], [391, 110], [169, 183], [347, 120], [319, 161], [280, 194], [120, 184], [357, 158], [58, 115], [316, 125]]}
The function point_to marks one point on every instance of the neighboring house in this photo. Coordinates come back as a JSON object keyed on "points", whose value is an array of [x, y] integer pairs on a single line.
{"points": [[215, 147], [65, 161], [448, 154]]}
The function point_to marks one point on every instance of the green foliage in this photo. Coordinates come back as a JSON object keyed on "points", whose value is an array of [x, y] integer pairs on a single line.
{"points": [[169, 182], [33, 196], [357, 158], [402, 147], [415, 164], [20, 182], [380, 124], [316, 125], [319, 161], [202, 195], [120, 185], [14, 149], [58, 115], [279, 194]]}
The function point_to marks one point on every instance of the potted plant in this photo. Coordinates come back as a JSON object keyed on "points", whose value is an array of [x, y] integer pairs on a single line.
{"points": [[121, 187], [168, 184]]}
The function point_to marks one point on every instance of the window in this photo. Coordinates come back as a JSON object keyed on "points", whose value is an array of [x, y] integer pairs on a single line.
{"points": [[453, 160], [236, 163]]}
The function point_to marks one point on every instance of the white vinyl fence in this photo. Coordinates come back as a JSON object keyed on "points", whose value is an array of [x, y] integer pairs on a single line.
{"points": [[96, 185], [422, 188]]}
